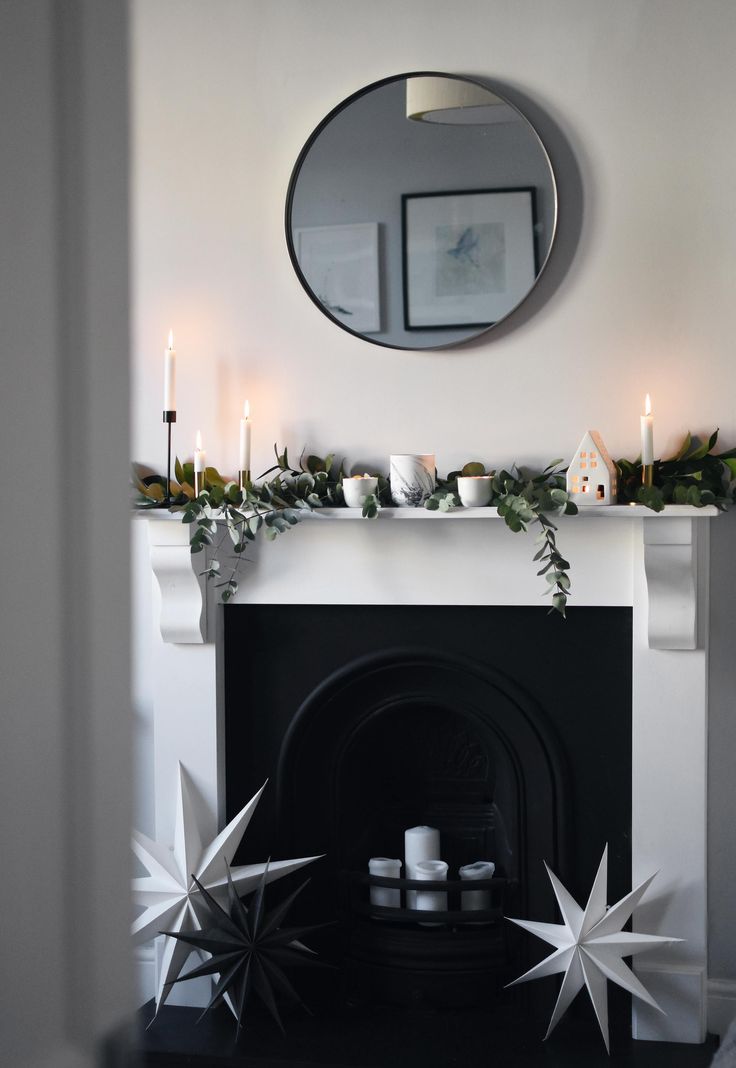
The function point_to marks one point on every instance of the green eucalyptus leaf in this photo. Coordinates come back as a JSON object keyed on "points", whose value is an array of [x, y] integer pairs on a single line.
{"points": [[474, 468]]}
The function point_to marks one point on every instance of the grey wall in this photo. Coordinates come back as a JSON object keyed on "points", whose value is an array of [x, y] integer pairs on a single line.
{"points": [[65, 724]]}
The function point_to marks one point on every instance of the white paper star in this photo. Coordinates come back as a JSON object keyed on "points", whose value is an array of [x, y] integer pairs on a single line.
{"points": [[171, 898], [589, 946]]}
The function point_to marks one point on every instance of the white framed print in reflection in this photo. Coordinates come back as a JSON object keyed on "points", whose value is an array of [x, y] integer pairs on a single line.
{"points": [[340, 266], [469, 257]]}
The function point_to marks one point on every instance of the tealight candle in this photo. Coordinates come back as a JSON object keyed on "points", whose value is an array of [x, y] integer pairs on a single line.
{"points": [[474, 490], [356, 489]]}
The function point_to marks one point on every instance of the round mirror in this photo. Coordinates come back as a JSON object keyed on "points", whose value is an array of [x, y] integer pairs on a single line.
{"points": [[421, 211]]}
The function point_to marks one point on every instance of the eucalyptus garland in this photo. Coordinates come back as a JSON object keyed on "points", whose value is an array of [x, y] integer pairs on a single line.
{"points": [[281, 496]]}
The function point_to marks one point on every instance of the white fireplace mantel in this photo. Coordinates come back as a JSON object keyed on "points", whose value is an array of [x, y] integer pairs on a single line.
{"points": [[620, 556], [672, 562]]}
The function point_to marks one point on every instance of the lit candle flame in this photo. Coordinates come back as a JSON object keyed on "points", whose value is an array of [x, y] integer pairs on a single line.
{"points": [[648, 405], [198, 440], [171, 339], [246, 410]]}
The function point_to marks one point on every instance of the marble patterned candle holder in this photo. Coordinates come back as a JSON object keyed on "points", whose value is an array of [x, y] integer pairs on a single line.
{"points": [[474, 490], [356, 489], [412, 478]]}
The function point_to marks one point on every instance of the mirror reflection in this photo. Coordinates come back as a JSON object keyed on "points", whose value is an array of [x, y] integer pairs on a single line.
{"points": [[421, 211]]}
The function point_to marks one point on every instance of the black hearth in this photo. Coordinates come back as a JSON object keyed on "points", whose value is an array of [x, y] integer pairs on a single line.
{"points": [[506, 728]]}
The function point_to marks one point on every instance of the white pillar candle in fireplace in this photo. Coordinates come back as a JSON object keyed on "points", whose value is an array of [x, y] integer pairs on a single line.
{"points": [[431, 900], [389, 869], [477, 899], [420, 843]]}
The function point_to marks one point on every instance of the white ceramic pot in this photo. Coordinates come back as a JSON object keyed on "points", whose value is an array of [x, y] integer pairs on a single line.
{"points": [[412, 478], [474, 490], [356, 489]]}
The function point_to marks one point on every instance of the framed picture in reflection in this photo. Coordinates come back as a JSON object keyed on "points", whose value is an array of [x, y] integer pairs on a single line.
{"points": [[340, 265], [469, 257]]}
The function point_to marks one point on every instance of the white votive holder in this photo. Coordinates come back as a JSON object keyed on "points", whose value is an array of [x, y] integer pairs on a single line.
{"points": [[476, 900], [412, 478], [356, 489], [431, 900], [474, 490], [384, 895], [420, 843]]}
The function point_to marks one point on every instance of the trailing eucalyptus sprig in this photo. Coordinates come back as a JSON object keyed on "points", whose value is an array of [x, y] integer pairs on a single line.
{"points": [[271, 505], [521, 498], [695, 475]]}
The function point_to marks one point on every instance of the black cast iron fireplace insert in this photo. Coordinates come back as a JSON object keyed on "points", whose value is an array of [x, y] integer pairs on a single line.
{"points": [[506, 728]]}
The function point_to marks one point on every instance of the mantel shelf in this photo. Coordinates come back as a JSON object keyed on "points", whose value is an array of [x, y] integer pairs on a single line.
{"points": [[591, 511], [672, 564]]}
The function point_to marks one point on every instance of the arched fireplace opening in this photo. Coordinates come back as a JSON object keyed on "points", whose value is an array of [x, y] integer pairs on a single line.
{"points": [[507, 731]]}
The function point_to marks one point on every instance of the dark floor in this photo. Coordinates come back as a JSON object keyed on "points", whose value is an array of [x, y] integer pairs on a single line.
{"points": [[387, 1037]]}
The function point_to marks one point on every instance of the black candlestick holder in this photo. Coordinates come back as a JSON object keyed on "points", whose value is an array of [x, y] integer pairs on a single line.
{"points": [[169, 418]]}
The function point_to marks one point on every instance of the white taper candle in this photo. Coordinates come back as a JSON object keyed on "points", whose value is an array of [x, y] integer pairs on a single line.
{"points": [[245, 429], [170, 375], [647, 434]]}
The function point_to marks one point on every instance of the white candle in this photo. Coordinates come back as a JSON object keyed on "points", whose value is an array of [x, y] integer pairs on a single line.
{"points": [[389, 869], [245, 427], [200, 456], [477, 899], [420, 843], [647, 434], [170, 375], [431, 900]]}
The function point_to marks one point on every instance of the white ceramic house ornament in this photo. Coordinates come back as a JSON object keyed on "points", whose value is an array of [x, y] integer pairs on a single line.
{"points": [[592, 477]]}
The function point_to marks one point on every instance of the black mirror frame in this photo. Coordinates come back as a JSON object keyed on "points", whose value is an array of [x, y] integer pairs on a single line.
{"points": [[342, 106]]}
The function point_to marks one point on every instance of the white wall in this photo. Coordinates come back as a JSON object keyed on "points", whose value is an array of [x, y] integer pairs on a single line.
{"points": [[633, 100]]}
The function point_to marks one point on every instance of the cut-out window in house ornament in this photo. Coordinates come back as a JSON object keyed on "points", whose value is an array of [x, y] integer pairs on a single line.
{"points": [[599, 488]]}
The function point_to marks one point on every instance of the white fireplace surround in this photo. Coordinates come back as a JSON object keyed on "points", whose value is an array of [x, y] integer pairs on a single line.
{"points": [[658, 564]]}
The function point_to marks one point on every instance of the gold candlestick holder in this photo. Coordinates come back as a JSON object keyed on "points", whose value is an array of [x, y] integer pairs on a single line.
{"points": [[244, 479], [198, 482], [647, 475]]}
